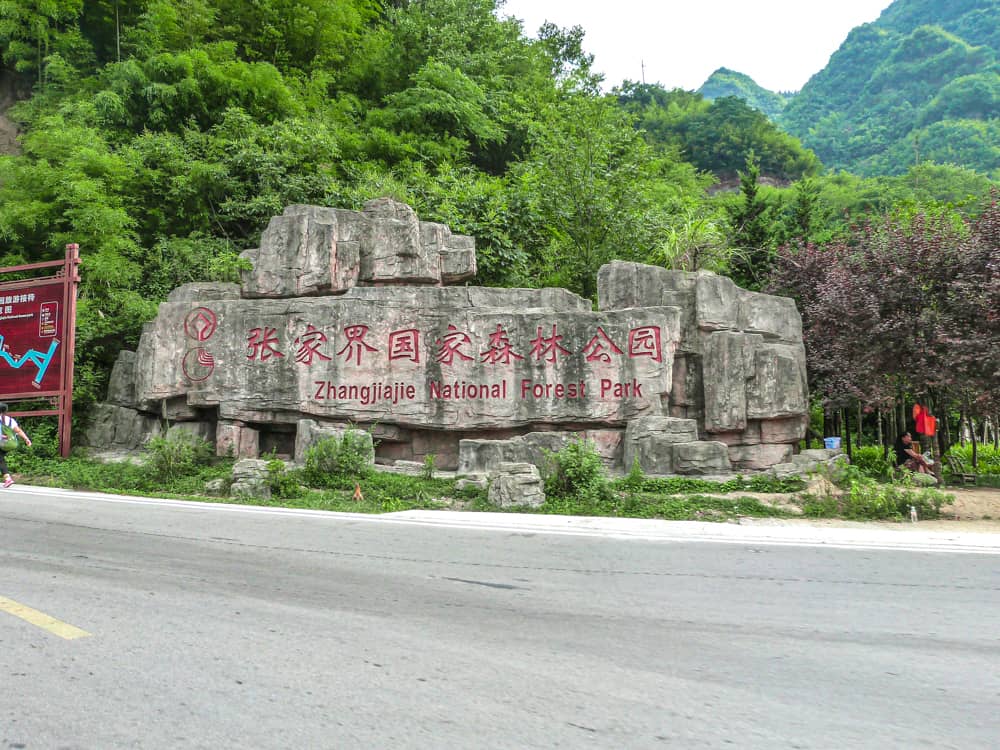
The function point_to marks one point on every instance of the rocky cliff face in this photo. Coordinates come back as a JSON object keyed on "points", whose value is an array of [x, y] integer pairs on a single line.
{"points": [[346, 318]]}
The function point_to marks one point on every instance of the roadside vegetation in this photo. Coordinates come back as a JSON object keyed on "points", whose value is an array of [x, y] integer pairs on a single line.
{"points": [[337, 476], [162, 136]]}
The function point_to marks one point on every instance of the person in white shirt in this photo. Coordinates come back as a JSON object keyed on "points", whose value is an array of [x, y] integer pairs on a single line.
{"points": [[9, 421]]}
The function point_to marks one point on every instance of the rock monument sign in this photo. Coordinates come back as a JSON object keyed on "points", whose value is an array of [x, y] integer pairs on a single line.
{"points": [[357, 318]]}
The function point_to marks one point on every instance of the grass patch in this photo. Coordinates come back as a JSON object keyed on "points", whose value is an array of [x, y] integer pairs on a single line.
{"points": [[864, 499], [180, 467], [676, 507]]}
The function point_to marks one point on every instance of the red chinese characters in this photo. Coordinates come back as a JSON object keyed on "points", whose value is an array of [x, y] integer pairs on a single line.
{"points": [[450, 346], [404, 344], [455, 346], [308, 346], [356, 343], [547, 348], [600, 348], [262, 344], [500, 348], [645, 342]]}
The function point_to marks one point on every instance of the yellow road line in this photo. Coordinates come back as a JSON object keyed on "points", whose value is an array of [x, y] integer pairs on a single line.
{"points": [[42, 620]]}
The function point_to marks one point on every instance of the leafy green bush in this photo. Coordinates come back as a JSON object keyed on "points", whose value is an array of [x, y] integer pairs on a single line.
{"points": [[179, 453], [635, 479], [283, 483], [428, 470], [332, 459], [864, 498], [869, 460], [44, 436], [577, 472], [987, 457]]}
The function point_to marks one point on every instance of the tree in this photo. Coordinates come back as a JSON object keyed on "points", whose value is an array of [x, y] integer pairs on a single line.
{"points": [[905, 306], [694, 240], [750, 228], [31, 30], [586, 182]]}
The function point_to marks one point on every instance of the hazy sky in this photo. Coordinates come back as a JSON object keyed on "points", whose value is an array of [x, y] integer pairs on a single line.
{"points": [[778, 43]]}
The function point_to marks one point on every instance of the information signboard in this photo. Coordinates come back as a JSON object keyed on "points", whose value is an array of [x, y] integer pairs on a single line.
{"points": [[37, 327]]}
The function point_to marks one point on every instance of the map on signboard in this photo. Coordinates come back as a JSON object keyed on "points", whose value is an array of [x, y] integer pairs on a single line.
{"points": [[30, 339]]}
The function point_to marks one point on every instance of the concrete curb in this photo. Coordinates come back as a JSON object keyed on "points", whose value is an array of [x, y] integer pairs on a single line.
{"points": [[906, 537], [902, 537]]}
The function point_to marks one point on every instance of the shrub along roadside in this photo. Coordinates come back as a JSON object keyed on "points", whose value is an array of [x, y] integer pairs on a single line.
{"points": [[180, 466], [863, 498]]}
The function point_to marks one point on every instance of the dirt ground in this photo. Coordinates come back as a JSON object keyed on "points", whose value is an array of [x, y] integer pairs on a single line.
{"points": [[978, 507]]}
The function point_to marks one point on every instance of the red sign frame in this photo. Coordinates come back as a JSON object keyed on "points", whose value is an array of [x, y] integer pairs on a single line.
{"points": [[38, 338]]}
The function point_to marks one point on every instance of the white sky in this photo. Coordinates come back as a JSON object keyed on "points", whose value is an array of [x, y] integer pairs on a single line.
{"points": [[778, 43]]}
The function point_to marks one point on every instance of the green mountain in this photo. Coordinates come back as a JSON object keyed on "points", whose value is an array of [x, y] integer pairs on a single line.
{"points": [[725, 82], [922, 83]]}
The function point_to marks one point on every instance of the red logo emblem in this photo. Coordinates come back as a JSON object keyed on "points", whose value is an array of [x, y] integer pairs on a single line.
{"points": [[200, 324]]}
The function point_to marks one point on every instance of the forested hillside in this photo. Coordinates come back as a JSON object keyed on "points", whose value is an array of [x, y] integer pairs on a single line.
{"points": [[725, 82], [922, 83], [161, 135]]}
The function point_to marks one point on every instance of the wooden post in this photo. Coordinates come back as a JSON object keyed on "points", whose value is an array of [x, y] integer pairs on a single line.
{"points": [[847, 431], [860, 423]]}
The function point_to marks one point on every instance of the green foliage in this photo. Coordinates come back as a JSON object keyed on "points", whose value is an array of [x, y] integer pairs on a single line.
{"points": [[382, 492], [987, 457], [33, 30], [724, 82], [634, 480], [177, 453], [719, 140], [716, 135], [870, 462], [283, 483], [428, 470], [44, 434], [186, 477], [689, 485], [577, 473], [899, 92], [751, 230], [587, 184], [331, 461], [864, 498]]}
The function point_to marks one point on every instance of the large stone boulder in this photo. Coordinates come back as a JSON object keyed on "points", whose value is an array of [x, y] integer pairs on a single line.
{"points": [[344, 318], [740, 367], [121, 387], [700, 458], [250, 480], [478, 456], [650, 440], [516, 484], [759, 456], [481, 456], [312, 250], [423, 357], [119, 428]]}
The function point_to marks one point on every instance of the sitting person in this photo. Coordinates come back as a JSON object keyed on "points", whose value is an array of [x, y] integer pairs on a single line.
{"points": [[908, 457]]}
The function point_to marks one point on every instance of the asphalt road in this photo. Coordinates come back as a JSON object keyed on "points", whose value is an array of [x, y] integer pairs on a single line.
{"points": [[146, 625]]}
